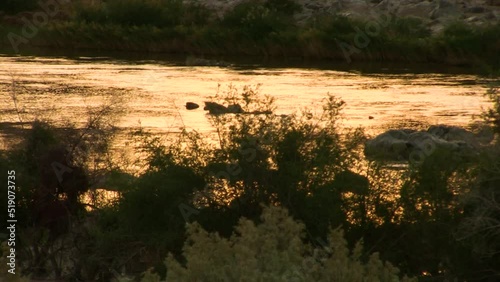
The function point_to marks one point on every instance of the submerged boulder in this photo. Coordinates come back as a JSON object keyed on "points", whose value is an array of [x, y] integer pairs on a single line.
{"points": [[192, 106], [391, 145], [215, 108], [218, 109], [235, 109], [411, 145], [453, 133]]}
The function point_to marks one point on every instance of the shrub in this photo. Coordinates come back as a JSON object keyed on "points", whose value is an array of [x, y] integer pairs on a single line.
{"points": [[4, 268], [161, 13], [257, 19], [480, 229], [408, 28], [54, 168], [91, 14], [196, 15], [274, 251], [300, 161], [492, 115], [287, 7], [16, 6], [463, 39], [136, 12], [338, 25]]}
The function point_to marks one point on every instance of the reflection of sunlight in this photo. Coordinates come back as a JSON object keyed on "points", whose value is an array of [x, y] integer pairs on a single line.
{"points": [[158, 92], [425, 273], [99, 198], [221, 193]]}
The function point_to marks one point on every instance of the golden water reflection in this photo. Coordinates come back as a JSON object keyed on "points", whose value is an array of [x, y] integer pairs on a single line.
{"points": [[154, 94]]}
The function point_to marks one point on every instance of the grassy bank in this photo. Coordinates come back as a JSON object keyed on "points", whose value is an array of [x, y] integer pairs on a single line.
{"points": [[264, 29]]}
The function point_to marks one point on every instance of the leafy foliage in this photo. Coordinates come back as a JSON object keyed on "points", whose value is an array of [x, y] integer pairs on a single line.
{"points": [[15, 6], [162, 13], [480, 228], [492, 116], [54, 169], [258, 19], [268, 158], [274, 251]]}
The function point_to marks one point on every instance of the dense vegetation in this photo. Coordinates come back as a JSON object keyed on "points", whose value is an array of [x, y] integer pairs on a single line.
{"points": [[15, 6], [269, 197], [261, 28]]}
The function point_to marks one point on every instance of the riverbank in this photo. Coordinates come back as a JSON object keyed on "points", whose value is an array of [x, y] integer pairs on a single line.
{"points": [[271, 29]]}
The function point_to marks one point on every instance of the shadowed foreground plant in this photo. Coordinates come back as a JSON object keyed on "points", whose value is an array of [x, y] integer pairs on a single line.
{"points": [[480, 229], [274, 251], [492, 115]]}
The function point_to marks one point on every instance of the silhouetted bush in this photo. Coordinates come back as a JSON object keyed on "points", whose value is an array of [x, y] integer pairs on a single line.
{"points": [[480, 229], [163, 13], [408, 28], [492, 115], [54, 169], [16, 6], [257, 19]]}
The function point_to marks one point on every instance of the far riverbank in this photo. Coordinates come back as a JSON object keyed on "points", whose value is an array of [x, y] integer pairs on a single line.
{"points": [[260, 30]]}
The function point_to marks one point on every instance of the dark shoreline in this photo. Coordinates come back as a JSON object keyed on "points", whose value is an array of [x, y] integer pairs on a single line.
{"points": [[266, 32], [474, 49], [244, 62]]}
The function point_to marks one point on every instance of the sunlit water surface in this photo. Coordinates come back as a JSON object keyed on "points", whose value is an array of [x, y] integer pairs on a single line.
{"points": [[154, 93]]}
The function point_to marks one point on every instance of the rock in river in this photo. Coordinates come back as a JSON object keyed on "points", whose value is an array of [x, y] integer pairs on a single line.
{"points": [[218, 109], [191, 106], [407, 144]]}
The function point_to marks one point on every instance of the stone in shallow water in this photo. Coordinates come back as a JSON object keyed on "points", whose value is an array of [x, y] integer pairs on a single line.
{"points": [[234, 109], [390, 145], [215, 108], [402, 144], [191, 106], [218, 109]]}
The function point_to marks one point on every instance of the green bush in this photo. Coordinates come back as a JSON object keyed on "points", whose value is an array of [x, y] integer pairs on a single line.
{"points": [[339, 25], [196, 15], [257, 19], [410, 28], [54, 168], [162, 13], [274, 251], [287, 7], [492, 115], [480, 229], [91, 14], [16, 6], [136, 12]]}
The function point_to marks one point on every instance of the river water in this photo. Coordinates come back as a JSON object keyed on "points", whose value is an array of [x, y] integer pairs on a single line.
{"points": [[153, 92]]}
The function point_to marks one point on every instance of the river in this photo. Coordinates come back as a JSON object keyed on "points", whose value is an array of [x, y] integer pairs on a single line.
{"points": [[153, 92]]}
